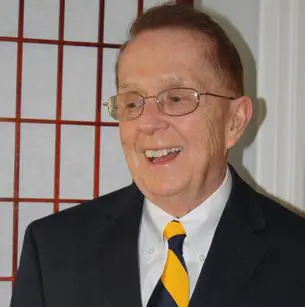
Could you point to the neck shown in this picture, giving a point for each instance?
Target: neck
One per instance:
(181, 203)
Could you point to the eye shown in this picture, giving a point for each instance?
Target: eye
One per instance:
(178, 96)
(175, 99)
(135, 104)
(131, 105)
(129, 101)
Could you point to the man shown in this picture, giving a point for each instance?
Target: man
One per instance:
(181, 107)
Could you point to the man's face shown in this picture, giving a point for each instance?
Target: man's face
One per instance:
(158, 60)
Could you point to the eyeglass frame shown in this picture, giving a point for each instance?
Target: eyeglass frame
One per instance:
(198, 94)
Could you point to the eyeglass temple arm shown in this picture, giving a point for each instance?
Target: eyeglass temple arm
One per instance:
(219, 96)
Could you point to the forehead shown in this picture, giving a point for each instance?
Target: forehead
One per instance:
(166, 54)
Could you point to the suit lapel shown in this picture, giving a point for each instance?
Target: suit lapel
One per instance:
(120, 253)
(235, 252)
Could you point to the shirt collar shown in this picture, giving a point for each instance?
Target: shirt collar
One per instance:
(202, 219)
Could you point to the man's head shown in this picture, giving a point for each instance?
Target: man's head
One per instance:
(177, 155)
(221, 52)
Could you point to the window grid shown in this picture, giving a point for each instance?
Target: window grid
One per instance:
(99, 76)
(17, 139)
(60, 55)
(58, 122)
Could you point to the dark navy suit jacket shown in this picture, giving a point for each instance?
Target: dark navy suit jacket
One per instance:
(87, 256)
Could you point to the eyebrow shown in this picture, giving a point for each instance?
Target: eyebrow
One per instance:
(128, 85)
(172, 81)
(175, 82)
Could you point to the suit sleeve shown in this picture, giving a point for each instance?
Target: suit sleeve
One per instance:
(28, 290)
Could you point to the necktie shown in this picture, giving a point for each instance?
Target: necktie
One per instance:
(172, 290)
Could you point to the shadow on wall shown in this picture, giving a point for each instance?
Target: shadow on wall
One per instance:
(259, 104)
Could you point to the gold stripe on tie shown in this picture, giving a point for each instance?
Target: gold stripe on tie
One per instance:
(175, 277)
(173, 229)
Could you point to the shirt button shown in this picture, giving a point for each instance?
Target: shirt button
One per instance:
(201, 257)
(151, 251)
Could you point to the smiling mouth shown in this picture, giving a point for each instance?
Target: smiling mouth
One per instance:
(162, 155)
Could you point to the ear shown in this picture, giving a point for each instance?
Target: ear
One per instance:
(240, 114)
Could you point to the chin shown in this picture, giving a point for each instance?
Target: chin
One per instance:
(157, 189)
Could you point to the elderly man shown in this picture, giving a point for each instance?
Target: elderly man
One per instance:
(188, 231)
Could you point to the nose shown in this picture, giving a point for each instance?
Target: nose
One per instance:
(152, 117)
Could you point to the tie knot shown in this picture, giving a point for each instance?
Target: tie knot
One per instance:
(172, 229)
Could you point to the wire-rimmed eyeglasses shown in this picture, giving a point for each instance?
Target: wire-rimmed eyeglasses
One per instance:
(176, 101)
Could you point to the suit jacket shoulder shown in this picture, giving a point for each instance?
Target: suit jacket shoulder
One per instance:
(90, 214)
(77, 257)
(256, 257)
(261, 211)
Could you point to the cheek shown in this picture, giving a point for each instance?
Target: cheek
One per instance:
(212, 135)
(128, 141)
(126, 135)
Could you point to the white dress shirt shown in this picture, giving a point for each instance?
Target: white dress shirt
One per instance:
(199, 224)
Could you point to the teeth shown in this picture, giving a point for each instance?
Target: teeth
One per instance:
(161, 152)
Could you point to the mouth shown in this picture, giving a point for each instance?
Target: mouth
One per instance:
(157, 156)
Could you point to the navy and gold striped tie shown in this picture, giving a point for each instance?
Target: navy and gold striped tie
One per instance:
(172, 290)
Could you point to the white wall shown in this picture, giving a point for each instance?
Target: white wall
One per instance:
(280, 143)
